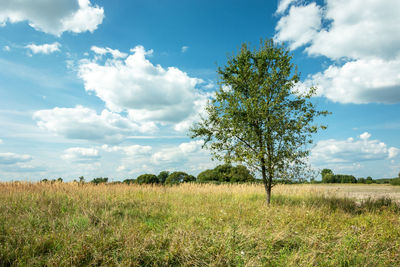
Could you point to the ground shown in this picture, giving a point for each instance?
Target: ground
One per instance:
(198, 225)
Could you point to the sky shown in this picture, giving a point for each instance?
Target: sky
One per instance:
(99, 88)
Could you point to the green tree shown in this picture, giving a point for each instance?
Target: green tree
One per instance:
(147, 179)
(179, 177)
(81, 179)
(207, 176)
(257, 118)
(99, 180)
(162, 176)
(324, 174)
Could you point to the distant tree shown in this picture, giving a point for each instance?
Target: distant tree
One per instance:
(257, 117)
(207, 176)
(240, 174)
(162, 176)
(325, 172)
(129, 181)
(398, 175)
(179, 177)
(44, 180)
(59, 179)
(99, 180)
(81, 179)
(369, 180)
(147, 179)
(361, 181)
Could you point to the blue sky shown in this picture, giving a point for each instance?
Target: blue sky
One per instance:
(109, 88)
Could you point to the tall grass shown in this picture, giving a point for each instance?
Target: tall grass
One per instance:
(193, 225)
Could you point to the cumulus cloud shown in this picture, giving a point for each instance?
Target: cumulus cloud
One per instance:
(106, 50)
(53, 16)
(352, 151)
(147, 92)
(300, 26)
(176, 154)
(84, 123)
(44, 48)
(283, 5)
(12, 158)
(361, 81)
(360, 36)
(131, 151)
(81, 154)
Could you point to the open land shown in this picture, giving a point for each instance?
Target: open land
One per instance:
(198, 224)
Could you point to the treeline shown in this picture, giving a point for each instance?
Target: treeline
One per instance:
(225, 173)
(329, 177)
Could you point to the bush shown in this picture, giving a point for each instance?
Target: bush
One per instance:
(100, 180)
(147, 179)
(179, 177)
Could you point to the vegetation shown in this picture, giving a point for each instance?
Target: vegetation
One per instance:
(226, 173)
(256, 118)
(179, 177)
(59, 224)
(99, 180)
(147, 179)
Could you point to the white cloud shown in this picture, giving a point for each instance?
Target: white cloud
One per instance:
(12, 158)
(362, 81)
(149, 93)
(178, 154)
(84, 123)
(81, 154)
(351, 151)
(300, 26)
(359, 29)
(105, 50)
(131, 151)
(44, 48)
(283, 5)
(7, 48)
(54, 17)
(1, 142)
(363, 35)
(184, 49)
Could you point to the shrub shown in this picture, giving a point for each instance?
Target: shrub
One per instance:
(147, 179)
(207, 176)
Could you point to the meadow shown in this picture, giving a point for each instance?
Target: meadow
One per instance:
(59, 224)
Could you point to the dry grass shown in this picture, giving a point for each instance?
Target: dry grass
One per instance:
(196, 224)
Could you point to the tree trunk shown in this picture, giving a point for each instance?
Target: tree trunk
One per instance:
(267, 184)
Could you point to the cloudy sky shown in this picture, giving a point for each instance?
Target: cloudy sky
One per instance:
(109, 88)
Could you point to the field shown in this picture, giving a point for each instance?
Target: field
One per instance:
(196, 225)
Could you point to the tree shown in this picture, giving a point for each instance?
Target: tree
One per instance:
(162, 176)
(256, 117)
(147, 179)
(325, 173)
(99, 180)
(81, 179)
(179, 177)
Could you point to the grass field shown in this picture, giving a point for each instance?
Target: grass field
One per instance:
(196, 225)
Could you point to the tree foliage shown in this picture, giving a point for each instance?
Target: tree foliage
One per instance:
(256, 117)
(179, 177)
(226, 173)
(147, 179)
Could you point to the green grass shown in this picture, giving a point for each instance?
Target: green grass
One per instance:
(193, 225)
